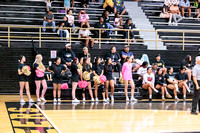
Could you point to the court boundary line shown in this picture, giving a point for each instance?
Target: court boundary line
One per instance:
(48, 119)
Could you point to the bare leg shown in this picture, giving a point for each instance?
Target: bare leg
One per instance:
(74, 86)
(106, 88)
(123, 12)
(112, 87)
(55, 86)
(27, 90)
(132, 87)
(86, 42)
(59, 90)
(125, 88)
(44, 85)
(21, 84)
(96, 90)
(90, 89)
(38, 84)
(183, 11)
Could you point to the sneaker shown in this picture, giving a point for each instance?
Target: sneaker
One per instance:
(194, 113)
(44, 100)
(189, 91)
(177, 91)
(22, 101)
(112, 98)
(168, 96)
(31, 101)
(83, 100)
(127, 99)
(104, 100)
(108, 99)
(92, 100)
(169, 23)
(38, 100)
(96, 41)
(96, 99)
(75, 101)
(59, 100)
(177, 99)
(54, 100)
(163, 99)
(133, 99)
(59, 103)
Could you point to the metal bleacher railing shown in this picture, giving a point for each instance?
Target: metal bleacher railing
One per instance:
(70, 38)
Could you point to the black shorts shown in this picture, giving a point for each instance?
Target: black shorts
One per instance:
(75, 78)
(39, 78)
(23, 78)
(109, 78)
(57, 80)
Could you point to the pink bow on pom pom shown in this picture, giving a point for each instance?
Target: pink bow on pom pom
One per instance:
(82, 84)
(64, 86)
(39, 73)
(28, 67)
(103, 79)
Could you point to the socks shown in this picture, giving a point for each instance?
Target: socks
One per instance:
(156, 90)
(184, 96)
(163, 96)
(150, 96)
(175, 97)
(167, 93)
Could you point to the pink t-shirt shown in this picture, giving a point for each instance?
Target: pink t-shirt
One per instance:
(83, 17)
(127, 71)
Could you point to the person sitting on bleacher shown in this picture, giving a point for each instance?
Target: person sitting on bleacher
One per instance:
(165, 14)
(83, 18)
(118, 21)
(85, 3)
(185, 4)
(119, 7)
(85, 53)
(116, 59)
(174, 9)
(142, 70)
(85, 33)
(107, 21)
(49, 20)
(67, 55)
(125, 53)
(63, 25)
(101, 25)
(109, 6)
(70, 19)
(129, 25)
(160, 63)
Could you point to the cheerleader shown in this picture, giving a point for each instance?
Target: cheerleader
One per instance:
(127, 77)
(87, 68)
(148, 82)
(160, 84)
(76, 72)
(57, 69)
(39, 77)
(108, 70)
(23, 80)
(98, 71)
(172, 83)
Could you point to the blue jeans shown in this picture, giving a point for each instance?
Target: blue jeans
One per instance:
(109, 27)
(73, 25)
(62, 33)
(52, 24)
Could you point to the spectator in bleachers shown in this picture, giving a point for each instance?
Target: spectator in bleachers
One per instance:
(85, 3)
(148, 82)
(85, 33)
(115, 58)
(67, 55)
(118, 21)
(136, 64)
(125, 53)
(187, 63)
(160, 63)
(142, 70)
(182, 78)
(165, 14)
(66, 5)
(107, 21)
(176, 15)
(101, 25)
(49, 21)
(160, 84)
(85, 53)
(172, 83)
(70, 19)
(119, 7)
(109, 6)
(48, 4)
(154, 68)
(129, 25)
(63, 25)
(83, 18)
(185, 4)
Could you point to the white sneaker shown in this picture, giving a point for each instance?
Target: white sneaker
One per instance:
(38, 100)
(177, 99)
(108, 99)
(59, 100)
(84, 100)
(22, 101)
(31, 101)
(75, 101)
(44, 100)
(189, 90)
(104, 100)
(112, 98)
(127, 99)
(133, 99)
(96, 99)
(92, 100)
(54, 100)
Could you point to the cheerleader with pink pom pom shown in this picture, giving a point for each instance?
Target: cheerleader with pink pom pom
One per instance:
(127, 77)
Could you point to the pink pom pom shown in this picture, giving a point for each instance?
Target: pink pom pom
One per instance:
(82, 84)
(103, 79)
(64, 86)
(28, 67)
(39, 73)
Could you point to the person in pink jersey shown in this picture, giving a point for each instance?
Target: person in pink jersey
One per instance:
(127, 77)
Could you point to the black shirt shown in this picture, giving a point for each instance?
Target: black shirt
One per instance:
(87, 68)
(67, 56)
(159, 79)
(114, 56)
(66, 24)
(82, 55)
(108, 71)
(20, 66)
(103, 25)
(182, 76)
(128, 26)
(98, 69)
(185, 64)
(171, 77)
(160, 63)
(57, 69)
(106, 19)
(74, 69)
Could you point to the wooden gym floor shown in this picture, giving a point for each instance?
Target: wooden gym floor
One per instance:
(117, 117)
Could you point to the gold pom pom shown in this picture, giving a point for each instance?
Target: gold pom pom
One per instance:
(121, 80)
(97, 79)
(26, 71)
(86, 75)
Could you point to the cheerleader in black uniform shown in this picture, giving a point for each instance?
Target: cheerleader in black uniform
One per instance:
(76, 72)
(108, 70)
(88, 68)
(98, 71)
(23, 80)
(57, 69)
(38, 65)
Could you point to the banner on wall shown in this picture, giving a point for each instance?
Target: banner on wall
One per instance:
(53, 54)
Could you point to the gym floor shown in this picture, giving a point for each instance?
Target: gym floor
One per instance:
(117, 117)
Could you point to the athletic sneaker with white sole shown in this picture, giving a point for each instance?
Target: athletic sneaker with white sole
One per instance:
(133, 99)
(104, 100)
(83, 100)
(59, 100)
(44, 100)
(92, 100)
(108, 99)
(127, 99)
(54, 100)
(38, 100)
(96, 99)
(31, 101)
(75, 100)
(22, 101)
(112, 98)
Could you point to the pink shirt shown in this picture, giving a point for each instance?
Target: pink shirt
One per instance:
(127, 71)
(83, 17)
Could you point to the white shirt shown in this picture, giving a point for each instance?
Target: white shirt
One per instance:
(116, 22)
(142, 71)
(196, 71)
(70, 18)
(48, 3)
(85, 33)
(148, 78)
